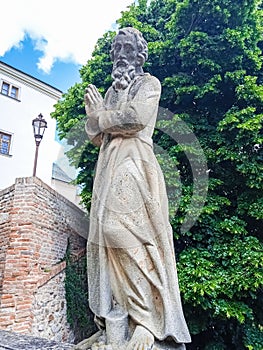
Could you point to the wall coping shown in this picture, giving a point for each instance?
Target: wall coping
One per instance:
(7, 190)
(37, 181)
(78, 212)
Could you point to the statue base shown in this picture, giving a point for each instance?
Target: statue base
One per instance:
(117, 335)
(98, 342)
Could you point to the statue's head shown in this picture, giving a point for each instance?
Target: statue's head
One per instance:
(133, 39)
(129, 52)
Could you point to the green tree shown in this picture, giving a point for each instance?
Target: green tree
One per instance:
(207, 55)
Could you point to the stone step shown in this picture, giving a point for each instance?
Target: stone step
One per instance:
(16, 341)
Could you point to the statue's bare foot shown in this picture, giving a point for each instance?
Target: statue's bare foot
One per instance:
(141, 339)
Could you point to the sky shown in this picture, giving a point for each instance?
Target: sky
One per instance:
(52, 39)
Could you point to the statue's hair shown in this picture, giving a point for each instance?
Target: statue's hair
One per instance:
(141, 42)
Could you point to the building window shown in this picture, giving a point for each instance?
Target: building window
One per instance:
(14, 92)
(9, 90)
(5, 143)
(5, 88)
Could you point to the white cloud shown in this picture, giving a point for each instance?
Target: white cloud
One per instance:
(62, 30)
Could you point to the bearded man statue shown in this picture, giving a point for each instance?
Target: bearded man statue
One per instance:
(131, 261)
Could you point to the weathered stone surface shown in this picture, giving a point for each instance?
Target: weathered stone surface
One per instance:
(50, 311)
(15, 341)
(131, 261)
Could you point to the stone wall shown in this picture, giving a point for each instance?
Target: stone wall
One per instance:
(50, 311)
(35, 228)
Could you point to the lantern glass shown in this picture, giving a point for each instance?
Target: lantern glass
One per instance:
(39, 127)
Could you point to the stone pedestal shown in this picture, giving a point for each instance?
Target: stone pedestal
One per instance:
(117, 336)
(98, 342)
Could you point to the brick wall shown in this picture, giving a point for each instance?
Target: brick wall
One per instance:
(36, 225)
(6, 202)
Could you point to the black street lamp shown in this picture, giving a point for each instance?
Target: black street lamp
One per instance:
(39, 126)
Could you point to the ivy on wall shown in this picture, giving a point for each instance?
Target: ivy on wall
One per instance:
(79, 315)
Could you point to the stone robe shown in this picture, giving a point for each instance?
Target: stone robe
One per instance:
(131, 258)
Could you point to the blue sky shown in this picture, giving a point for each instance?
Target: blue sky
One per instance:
(63, 75)
(53, 41)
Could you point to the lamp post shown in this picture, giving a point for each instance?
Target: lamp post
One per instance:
(39, 126)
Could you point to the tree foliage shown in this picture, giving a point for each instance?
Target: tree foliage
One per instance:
(207, 55)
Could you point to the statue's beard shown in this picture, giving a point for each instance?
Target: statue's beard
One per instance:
(122, 73)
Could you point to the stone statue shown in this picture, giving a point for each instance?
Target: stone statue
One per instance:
(133, 285)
